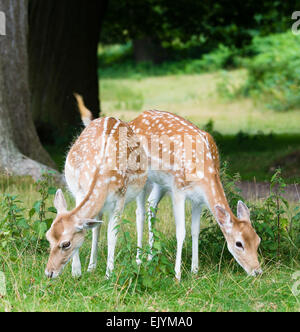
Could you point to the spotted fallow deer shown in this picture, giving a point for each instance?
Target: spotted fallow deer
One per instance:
(184, 161)
(103, 171)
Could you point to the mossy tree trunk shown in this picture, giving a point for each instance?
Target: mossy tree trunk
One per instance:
(21, 152)
(41, 65)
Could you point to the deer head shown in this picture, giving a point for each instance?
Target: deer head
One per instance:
(242, 240)
(65, 236)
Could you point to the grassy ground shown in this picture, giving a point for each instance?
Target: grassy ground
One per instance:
(221, 285)
(213, 289)
(195, 97)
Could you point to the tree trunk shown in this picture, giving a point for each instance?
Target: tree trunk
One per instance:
(21, 152)
(147, 50)
(63, 44)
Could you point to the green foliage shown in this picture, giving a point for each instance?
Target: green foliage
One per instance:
(270, 219)
(22, 228)
(13, 226)
(175, 24)
(40, 210)
(116, 62)
(274, 71)
(116, 53)
(226, 88)
(232, 191)
(148, 275)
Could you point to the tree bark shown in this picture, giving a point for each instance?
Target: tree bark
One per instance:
(63, 44)
(21, 152)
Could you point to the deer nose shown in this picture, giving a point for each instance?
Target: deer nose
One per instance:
(49, 274)
(257, 272)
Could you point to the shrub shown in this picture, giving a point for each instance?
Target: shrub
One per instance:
(13, 226)
(111, 67)
(271, 219)
(274, 71)
(21, 228)
(150, 274)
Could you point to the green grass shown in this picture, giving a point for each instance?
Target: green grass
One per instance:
(221, 285)
(213, 289)
(196, 98)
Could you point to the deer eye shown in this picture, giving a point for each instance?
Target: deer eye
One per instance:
(66, 245)
(239, 245)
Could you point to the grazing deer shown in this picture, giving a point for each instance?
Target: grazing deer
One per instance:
(103, 171)
(184, 161)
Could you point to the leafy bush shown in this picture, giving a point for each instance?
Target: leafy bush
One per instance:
(21, 228)
(274, 71)
(270, 219)
(13, 226)
(113, 64)
(150, 273)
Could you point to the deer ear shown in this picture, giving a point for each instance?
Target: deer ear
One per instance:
(243, 212)
(60, 202)
(223, 218)
(88, 224)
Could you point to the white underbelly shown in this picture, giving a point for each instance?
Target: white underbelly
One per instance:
(163, 179)
(166, 182)
(132, 193)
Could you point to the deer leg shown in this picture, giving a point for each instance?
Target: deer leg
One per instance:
(153, 201)
(76, 265)
(196, 213)
(94, 251)
(112, 234)
(179, 214)
(140, 218)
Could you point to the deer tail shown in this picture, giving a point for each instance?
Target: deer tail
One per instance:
(86, 114)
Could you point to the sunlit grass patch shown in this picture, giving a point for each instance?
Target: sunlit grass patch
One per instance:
(196, 97)
(220, 285)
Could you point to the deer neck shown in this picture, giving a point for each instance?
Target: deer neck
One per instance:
(94, 200)
(215, 195)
